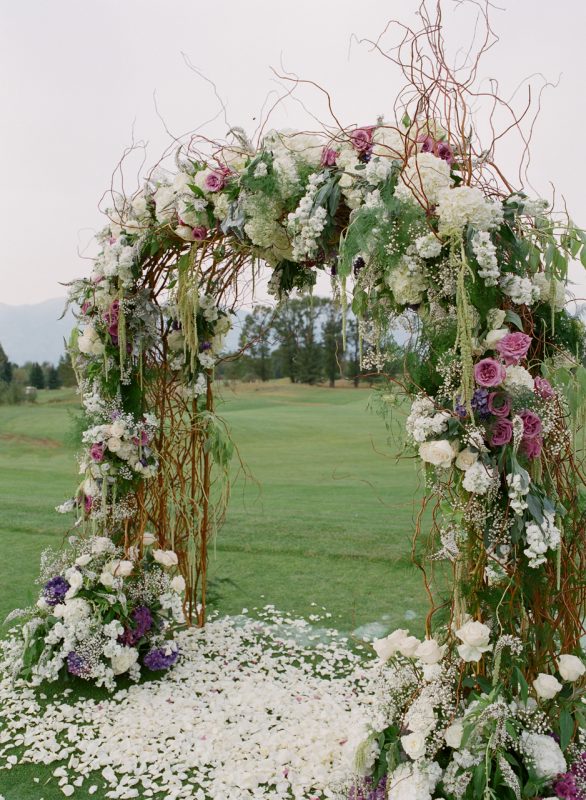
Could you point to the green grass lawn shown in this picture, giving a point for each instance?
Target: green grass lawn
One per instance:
(328, 519)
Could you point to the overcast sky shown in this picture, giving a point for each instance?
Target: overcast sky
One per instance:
(79, 77)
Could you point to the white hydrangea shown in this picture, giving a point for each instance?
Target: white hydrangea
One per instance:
(425, 421)
(552, 291)
(541, 538)
(377, 170)
(429, 246)
(529, 207)
(407, 281)
(519, 378)
(522, 291)
(388, 141)
(424, 178)
(411, 782)
(478, 478)
(467, 205)
(485, 253)
(545, 754)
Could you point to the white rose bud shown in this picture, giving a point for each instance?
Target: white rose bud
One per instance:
(454, 733)
(408, 646)
(466, 458)
(387, 647)
(429, 652)
(571, 667)
(439, 453)
(148, 539)
(414, 745)
(475, 638)
(546, 686)
(493, 337)
(166, 558)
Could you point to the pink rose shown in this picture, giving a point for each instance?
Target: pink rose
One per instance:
(328, 157)
(361, 139)
(88, 502)
(97, 452)
(532, 447)
(502, 433)
(200, 233)
(215, 180)
(543, 388)
(513, 347)
(499, 404)
(489, 372)
(531, 424)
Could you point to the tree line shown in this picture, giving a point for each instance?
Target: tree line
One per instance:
(303, 340)
(15, 379)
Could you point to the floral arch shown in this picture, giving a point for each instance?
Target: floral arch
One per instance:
(412, 219)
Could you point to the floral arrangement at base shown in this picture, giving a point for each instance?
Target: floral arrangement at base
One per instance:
(101, 613)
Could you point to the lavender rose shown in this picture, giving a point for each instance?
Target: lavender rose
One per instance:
(543, 388)
(499, 404)
(329, 157)
(361, 139)
(489, 372)
(97, 451)
(532, 447)
(531, 424)
(502, 433)
(215, 181)
(444, 151)
(199, 233)
(513, 347)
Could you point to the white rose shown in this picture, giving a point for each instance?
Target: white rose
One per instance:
(475, 638)
(114, 444)
(439, 453)
(101, 544)
(178, 584)
(571, 667)
(387, 647)
(429, 651)
(75, 580)
(466, 458)
(166, 558)
(120, 568)
(148, 539)
(414, 745)
(118, 429)
(492, 337)
(107, 579)
(408, 646)
(84, 560)
(122, 661)
(546, 686)
(454, 733)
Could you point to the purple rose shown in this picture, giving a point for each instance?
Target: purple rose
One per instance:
(532, 447)
(531, 424)
(97, 451)
(215, 180)
(328, 157)
(489, 372)
(361, 139)
(499, 404)
(513, 347)
(502, 433)
(543, 388)
(199, 233)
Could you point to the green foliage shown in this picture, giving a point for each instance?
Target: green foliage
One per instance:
(36, 376)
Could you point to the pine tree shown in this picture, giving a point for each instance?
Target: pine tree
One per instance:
(5, 367)
(332, 343)
(53, 381)
(36, 376)
(66, 371)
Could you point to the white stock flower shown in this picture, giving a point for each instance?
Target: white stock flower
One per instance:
(453, 734)
(475, 638)
(440, 453)
(430, 652)
(73, 611)
(571, 667)
(166, 558)
(478, 478)
(546, 686)
(414, 745)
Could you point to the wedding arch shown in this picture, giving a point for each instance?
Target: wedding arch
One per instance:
(413, 219)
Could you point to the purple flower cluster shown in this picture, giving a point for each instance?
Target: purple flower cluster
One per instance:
(572, 785)
(77, 665)
(143, 622)
(479, 404)
(366, 791)
(158, 659)
(55, 590)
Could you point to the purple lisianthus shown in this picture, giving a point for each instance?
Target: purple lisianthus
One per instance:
(502, 433)
(532, 447)
(427, 144)
(361, 139)
(329, 157)
(531, 424)
(489, 372)
(199, 233)
(158, 659)
(543, 388)
(77, 665)
(97, 451)
(499, 404)
(54, 590)
(513, 347)
(445, 152)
